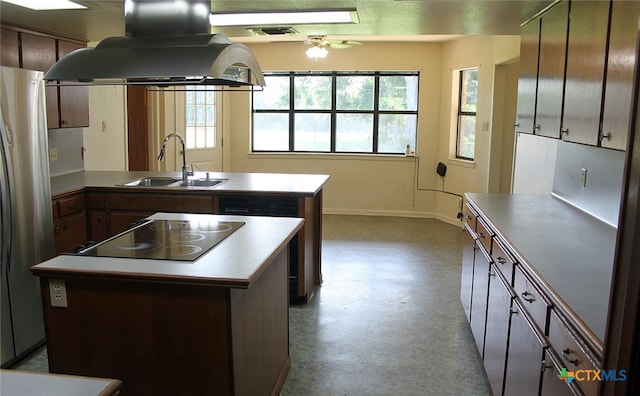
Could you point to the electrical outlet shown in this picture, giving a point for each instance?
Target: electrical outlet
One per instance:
(53, 154)
(583, 177)
(58, 293)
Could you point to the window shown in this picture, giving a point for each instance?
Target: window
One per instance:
(467, 106)
(336, 112)
(200, 117)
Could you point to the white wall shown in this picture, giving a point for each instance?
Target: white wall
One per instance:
(359, 184)
(374, 184)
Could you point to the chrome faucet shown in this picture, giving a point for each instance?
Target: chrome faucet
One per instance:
(185, 172)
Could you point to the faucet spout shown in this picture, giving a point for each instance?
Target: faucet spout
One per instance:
(185, 171)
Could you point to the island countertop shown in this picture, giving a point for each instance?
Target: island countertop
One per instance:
(235, 262)
(262, 183)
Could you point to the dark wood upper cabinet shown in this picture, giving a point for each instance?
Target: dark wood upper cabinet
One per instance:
(10, 48)
(67, 107)
(586, 59)
(621, 63)
(553, 44)
(528, 78)
(73, 100)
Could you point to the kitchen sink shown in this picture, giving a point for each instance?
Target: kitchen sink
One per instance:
(152, 182)
(199, 183)
(168, 182)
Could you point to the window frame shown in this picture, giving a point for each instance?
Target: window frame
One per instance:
(461, 113)
(334, 112)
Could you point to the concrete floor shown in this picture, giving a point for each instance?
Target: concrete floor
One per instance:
(387, 319)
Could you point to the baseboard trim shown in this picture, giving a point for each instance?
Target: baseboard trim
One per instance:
(394, 213)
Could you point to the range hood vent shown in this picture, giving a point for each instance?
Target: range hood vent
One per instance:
(167, 43)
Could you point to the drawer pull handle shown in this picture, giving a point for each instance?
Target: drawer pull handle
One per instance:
(481, 235)
(567, 355)
(468, 217)
(545, 366)
(528, 297)
(501, 260)
(514, 311)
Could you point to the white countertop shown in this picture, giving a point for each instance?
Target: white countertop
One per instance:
(24, 383)
(235, 262)
(260, 183)
(566, 249)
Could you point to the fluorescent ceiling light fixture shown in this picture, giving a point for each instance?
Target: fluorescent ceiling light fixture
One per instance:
(316, 52)
(284, 17)
(47, 4)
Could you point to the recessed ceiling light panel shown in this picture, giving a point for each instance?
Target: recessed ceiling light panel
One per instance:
(297, 17)
(41, 5)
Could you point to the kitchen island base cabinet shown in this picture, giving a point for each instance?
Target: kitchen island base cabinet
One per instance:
(182, 338)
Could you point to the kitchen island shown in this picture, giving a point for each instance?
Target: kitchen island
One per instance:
(214, 325)
(95, 205)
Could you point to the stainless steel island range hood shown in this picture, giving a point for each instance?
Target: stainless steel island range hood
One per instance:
(167, 43)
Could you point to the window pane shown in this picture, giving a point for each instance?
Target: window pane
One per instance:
(312, 92)
(466, 136)
(200, 139)
(398, 93)
(354, 92)
(191, 137)
(469, 91)
(210, 133)
(312, 132)
(274, 96)
(395, 131)
(354, 133)
(200, 115)
(270, 132)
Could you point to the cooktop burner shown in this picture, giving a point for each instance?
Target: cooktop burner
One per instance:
(180, 240)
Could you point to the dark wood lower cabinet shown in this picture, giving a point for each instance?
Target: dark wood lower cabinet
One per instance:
(466, 280)
(479, 296)
(497, 330)
(181, 338)
(525, 355)
(552, 385)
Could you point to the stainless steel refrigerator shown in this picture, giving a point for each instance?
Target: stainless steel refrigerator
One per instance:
(26, 224)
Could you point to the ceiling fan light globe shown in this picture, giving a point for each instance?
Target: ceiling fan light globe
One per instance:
(316, 52)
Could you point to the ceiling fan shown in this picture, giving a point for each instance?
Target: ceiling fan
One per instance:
(317, 46)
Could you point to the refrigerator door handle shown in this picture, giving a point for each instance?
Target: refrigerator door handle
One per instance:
(5, 200)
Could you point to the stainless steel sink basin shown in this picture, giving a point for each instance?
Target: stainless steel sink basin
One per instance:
(152, 182)
(169, 182)
(199, 183)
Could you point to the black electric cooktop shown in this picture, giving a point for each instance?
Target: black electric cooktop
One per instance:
(180, 240)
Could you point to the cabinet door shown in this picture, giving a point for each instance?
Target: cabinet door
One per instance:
(552, 385)
(74, 100)
(553, 44)
(525, 356)
(528, 77)
(10, 48)
(98, 226)
(69, 233)
(621, 63)
(39, 53)
(497, 332)
(480, 293)
(466, 280)
(586, 57)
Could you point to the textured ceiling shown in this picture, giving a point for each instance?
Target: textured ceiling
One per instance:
(379, 19)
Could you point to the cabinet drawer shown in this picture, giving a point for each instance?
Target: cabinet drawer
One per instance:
(531, 299)
(504, 262)
(484, 234)
(70, 205)
(470, 216)
(573, 353)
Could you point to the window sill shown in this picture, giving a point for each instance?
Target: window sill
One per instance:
(332, 156)
(461, 163)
